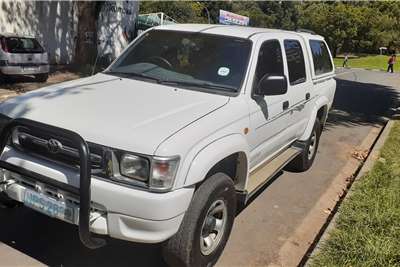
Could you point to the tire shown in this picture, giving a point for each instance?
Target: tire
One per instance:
(304, 161)
(184, 248)
(7, 202)
(42, 77)
(3, 78)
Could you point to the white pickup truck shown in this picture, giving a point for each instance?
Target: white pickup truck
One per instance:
(187, 124)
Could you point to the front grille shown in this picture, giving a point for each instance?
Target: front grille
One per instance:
(38, 144)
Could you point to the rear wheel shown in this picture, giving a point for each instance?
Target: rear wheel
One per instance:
(206, 226)
(304, 160)
(3, 78)
(42, 77)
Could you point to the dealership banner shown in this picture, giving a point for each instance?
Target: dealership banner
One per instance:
(229, 18)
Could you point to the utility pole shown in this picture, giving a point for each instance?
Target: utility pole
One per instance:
(207, 11)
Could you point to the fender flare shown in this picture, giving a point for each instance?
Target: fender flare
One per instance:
(320, 102)
(211, 154)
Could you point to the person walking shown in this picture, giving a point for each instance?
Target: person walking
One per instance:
(391, 62)
(346, 59)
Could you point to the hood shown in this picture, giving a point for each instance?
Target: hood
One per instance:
(122, 113)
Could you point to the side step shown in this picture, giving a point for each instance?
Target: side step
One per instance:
(269, 169)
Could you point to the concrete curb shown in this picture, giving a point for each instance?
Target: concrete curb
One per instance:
(7, 96)
(366, 167)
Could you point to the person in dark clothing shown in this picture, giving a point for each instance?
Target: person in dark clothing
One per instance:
(346, 59)
(391, 62)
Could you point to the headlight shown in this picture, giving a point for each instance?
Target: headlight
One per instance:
(155, 173)
(135, 167)
(163, 173)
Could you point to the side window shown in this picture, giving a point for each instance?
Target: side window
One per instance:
(295, 62)
(321, 58)
(269, 60)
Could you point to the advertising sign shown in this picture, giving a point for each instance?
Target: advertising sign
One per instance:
(229, 18)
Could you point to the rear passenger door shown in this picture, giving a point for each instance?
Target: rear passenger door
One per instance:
(300, 85)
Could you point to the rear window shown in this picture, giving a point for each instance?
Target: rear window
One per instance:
(21, 45)
(321, 58)
(295, 62)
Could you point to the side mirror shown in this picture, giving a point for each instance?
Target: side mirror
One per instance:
(272, 85)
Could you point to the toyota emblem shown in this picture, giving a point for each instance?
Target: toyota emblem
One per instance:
(54, 146)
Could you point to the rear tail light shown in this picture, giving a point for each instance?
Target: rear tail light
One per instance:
(4, 45)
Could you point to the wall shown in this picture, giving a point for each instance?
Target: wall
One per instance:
(54, 23)
(116, 27)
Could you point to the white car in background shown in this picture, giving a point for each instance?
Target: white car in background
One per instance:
(22, 55)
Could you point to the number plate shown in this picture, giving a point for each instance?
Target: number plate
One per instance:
(49, 206)
(29, 68)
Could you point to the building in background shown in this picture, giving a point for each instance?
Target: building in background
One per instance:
(115, 28)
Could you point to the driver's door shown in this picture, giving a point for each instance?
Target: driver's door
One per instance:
(268, 114)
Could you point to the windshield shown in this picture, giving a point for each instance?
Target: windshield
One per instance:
(21, 45)
(195, 60)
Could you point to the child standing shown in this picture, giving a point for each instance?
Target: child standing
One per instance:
(391, 62)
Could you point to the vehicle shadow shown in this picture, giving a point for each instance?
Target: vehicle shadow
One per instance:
(56, 243)
(357, 103)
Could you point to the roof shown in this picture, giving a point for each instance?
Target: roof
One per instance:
(228, 30)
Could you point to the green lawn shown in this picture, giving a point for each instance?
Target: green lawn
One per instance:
(367, 232)
(368, 62)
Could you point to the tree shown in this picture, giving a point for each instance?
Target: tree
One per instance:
(181, 11)
(337, 22)
(283, 14)
(86, 48)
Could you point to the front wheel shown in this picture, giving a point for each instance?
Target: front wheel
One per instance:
(206, 225)
(42, 77)
(304, 160)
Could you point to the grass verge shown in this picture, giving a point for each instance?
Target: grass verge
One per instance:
(367, 231)
(368, 62)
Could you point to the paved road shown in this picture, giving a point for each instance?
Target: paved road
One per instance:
(275, 229)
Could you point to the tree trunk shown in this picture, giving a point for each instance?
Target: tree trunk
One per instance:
(86, 47)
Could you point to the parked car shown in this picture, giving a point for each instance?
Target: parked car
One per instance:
(23, 55)
(190, 121)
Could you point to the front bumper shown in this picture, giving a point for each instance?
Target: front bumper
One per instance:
(104, 207)
(25, 70)
(115, 224)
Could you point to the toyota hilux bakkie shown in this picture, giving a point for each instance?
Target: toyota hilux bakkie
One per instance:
(161, 147)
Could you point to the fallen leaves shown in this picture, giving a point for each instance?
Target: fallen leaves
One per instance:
(360, 155)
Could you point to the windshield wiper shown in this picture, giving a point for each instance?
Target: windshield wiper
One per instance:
(199, 84)
(135, 74)
(208, 85)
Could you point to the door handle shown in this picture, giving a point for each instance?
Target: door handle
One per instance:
(285, 105)
(307, 96)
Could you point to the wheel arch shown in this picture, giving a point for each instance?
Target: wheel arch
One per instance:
(228, 155)
(320, 111)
